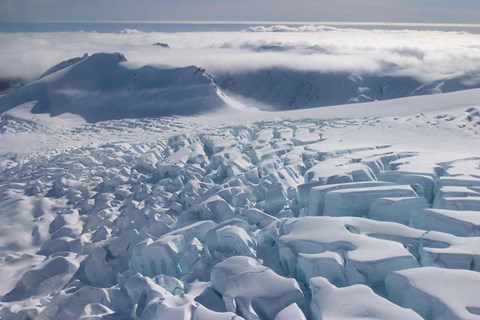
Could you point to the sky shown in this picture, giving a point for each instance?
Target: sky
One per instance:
(415, 11)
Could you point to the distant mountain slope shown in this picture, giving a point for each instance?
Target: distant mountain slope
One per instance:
(287, 89)
(9, 84)
(104, 86)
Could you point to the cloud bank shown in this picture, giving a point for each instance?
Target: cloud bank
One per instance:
(281, 28)
(426, 55)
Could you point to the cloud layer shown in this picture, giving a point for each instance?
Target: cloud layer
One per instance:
(426, 55)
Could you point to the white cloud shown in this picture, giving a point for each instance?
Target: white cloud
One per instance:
(422, 54)
(281, 28)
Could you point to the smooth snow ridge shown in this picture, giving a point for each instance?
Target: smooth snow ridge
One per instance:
(276, 219)
(105, 86)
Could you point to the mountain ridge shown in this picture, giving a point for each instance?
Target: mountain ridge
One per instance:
(104, 86)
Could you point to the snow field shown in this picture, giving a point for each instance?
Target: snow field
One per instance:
(273, 219)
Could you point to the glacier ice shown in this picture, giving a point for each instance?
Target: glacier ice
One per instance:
(147, 218)
(357, 202)
(318, 194)
(396, 209)
(448, 251)
(459, 223)
(355, 261)
(436, 293)
(353, 302)
(48, 276)
(257, 291)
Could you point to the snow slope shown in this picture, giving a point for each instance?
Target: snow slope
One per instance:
(287, 89)
(104, 86)
(355, 211)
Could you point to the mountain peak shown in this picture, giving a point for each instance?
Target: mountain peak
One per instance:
(126, 91)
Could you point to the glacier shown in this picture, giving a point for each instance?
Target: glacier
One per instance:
(174, 200)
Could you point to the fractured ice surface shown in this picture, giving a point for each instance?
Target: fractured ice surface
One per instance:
(231, 241)
(353, 172)
(353, 260)
(395, 209)
(454, 191)
(318, 194)
(48, 276)
(170, 219)
(436, 293)
(424, 180)
(354, 302)
(459, 223)
(104, 262)
(173, 255)
(458, 181)
(255, 290)
(448, 251)
(458, 203)
(357, 202)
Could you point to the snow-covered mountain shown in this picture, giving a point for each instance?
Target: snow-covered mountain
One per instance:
(105, 86)
(287, 89)
(342, 212)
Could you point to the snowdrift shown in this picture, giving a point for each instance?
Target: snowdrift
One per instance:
(105, 86)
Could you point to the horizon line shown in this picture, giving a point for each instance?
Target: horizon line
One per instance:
(233, 22)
